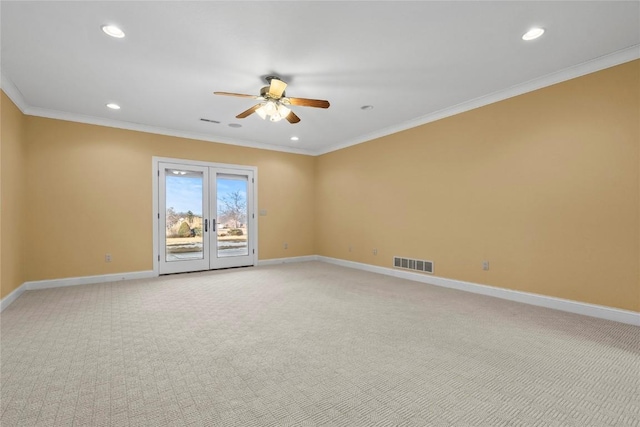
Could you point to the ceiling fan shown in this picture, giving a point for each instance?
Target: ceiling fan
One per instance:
(274, 103)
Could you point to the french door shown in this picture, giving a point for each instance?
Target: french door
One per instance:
(205, 217)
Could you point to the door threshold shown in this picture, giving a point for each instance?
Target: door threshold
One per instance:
(204, 271)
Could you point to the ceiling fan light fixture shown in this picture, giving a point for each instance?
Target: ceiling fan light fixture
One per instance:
(261, 112)
(283, 111)
(274, 110)
(271, 107)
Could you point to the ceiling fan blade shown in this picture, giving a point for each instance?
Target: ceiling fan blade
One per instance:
(292, 118)
(276, 88)
(304, 102)
(248, 112)
(240, 95)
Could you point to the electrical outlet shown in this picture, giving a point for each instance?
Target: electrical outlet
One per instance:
(286, 246)
(375, 251)
(107, 258)
(485, 265)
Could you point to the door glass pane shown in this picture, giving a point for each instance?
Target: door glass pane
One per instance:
(184, 203)
(232, 215)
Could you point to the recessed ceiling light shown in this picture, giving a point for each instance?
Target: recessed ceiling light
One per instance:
(235, 125)
(113, 31)
(294, 138)
(533, 34)
(367, 107)
(113, 106)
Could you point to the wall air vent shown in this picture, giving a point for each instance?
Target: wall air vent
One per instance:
(413, 264)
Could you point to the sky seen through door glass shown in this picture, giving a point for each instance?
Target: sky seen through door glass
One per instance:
(185, 193)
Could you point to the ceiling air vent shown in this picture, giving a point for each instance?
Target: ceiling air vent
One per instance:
(209, 120)
(413, 264)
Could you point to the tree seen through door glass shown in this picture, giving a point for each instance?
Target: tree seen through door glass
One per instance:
(232, 216)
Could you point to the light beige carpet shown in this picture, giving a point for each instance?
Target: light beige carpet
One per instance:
(308, 344)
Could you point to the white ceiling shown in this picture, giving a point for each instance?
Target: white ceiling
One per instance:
(413, 61)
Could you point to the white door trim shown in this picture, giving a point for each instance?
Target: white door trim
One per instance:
(155, 170)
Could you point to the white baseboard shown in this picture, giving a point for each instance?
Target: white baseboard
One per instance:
(6, 301)
(274, 261)
(88, 280)
(72, 281)
(592, 310)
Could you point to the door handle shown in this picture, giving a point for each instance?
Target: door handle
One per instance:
(213, 224)
(206, 223)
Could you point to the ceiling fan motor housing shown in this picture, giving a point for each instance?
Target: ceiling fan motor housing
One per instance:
(264, 92)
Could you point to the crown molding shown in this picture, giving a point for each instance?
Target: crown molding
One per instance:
(620, 57)
(99, 121)
(16, 96)
(13, 93)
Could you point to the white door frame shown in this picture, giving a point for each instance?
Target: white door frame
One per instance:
(155, 173)
(199, 264)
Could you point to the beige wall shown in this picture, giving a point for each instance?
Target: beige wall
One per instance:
(12, 199)
(545, 186)
(90, 193)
